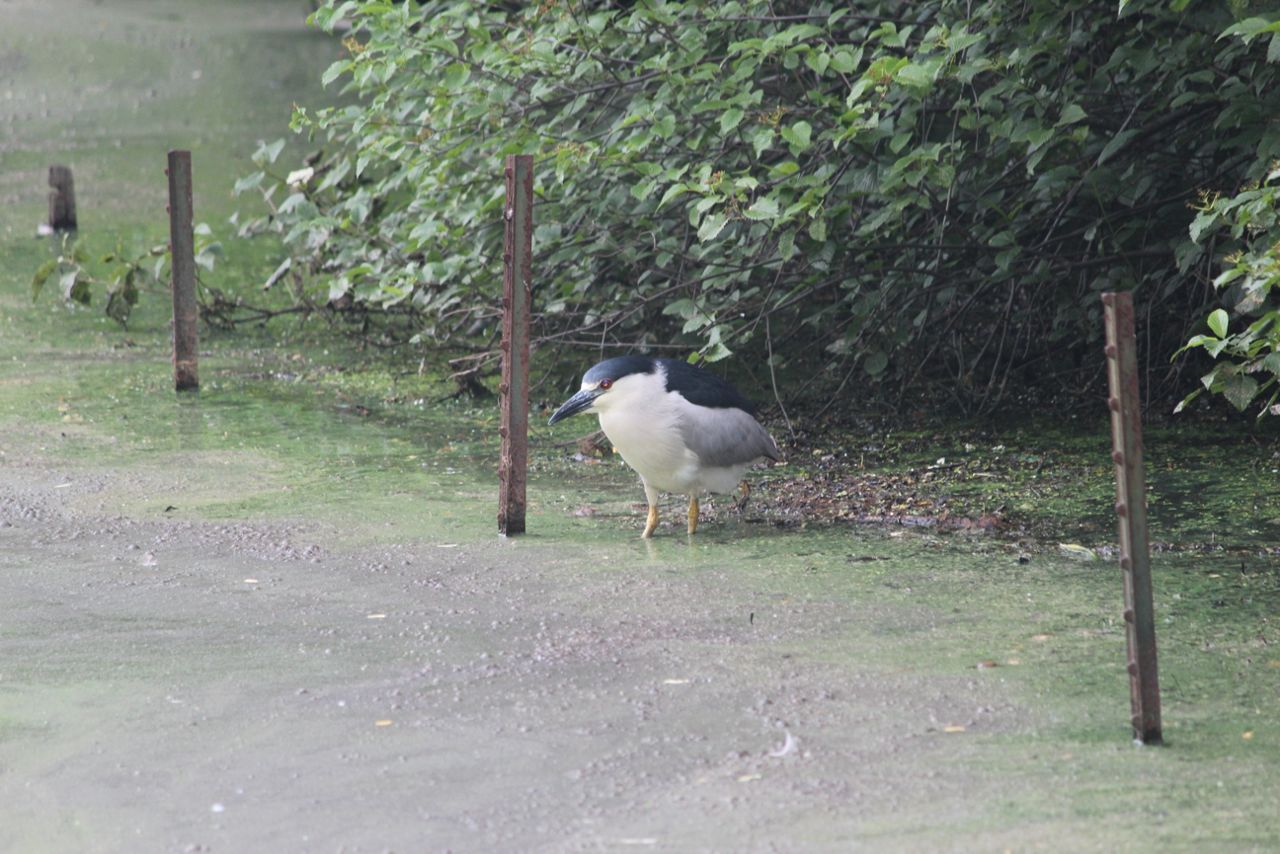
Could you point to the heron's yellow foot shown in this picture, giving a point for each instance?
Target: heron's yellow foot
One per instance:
(693, 514)
(744, 493)
(651, 522)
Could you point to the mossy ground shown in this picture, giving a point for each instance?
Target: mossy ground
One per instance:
(953, 575)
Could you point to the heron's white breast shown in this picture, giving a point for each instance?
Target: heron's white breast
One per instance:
(641, 420)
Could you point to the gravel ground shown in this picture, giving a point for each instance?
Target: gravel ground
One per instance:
(209, 686)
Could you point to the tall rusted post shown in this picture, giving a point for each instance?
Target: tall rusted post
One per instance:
(1131, 507)
(513, 393)
(62, 199)
(183, 265)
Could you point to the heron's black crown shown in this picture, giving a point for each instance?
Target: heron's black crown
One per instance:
(694, 384)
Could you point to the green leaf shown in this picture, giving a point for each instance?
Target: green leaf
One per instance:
(1239, 390)
(208, 255)
(248, 182)
(818, 229)
(716, 351)
(122, 297)
(1116, 143)
(712, 225)
(683, 308)
(1186, 255)
(1071, 114)
(43, 272)
(268, 152)
(765, 207)
(818, 60)
(762, 139)
(791, 35)
(914, 76)
(1250, 28)
(798, 136)
(276, 275)
(292, 202)
(455, 75)
(1202, 222)
(787, 245)
(843, 61)
(730, 119)
(672, 191)
(1182, 404)
(75, 287)
(1218, 321)
(334, 71)
(643, 190)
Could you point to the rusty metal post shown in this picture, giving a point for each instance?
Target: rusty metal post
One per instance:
(513, 393)
(1131, 507)
(62, 199)
(183, 265)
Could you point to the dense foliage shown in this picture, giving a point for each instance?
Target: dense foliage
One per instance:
(1248, 223)
(929, 196)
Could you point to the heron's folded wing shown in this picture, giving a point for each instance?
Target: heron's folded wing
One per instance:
(724, 437)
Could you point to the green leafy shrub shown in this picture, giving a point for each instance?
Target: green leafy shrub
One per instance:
(120, 275)
(1247, 225)
(929, 195)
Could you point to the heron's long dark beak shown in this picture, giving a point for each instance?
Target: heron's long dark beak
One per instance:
(578, 403)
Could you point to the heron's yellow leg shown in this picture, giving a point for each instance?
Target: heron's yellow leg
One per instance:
(744, 493)
(651, 522)
(693, 514)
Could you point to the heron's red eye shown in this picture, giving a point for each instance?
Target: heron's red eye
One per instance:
(605, 385)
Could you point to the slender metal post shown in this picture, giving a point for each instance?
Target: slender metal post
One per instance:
(1131, 507)
(183, 264)
(62, 199)
(513, 392)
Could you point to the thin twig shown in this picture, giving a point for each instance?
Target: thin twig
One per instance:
(773, 379)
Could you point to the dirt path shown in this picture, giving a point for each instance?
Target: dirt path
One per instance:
(190, 685)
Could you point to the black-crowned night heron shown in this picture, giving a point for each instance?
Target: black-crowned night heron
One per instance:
(683, 429)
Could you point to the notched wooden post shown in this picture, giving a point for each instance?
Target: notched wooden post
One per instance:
(513, 393)
(1131, 507)
(62, 199)
(183, 265)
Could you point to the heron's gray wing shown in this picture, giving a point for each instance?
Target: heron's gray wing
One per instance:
(725, 437)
